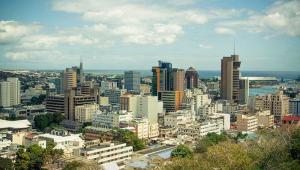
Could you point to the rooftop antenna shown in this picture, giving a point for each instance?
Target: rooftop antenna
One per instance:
(234, 47)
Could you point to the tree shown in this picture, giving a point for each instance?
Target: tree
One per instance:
(41, 122)
(6, 164)
(73, 165)
(228, 155)
(58, 117)
(36, 154)
(240, 136)
(295, 144)
(182, 151)
(51, 155)
(209, 140)
(130, 138)
(22, 159)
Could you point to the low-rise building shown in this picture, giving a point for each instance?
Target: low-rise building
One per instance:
(246, 122)
(173, 119)
(67, 143)
(265, 119)
(105, 153)
(15, 125)
(199, 130)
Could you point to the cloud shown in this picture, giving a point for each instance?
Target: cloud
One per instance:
(205, 46)
(34, 55)
(224, 31)
(139, 22)
(11, 31)
(281, 18)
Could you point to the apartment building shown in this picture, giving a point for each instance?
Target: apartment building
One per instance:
(246, 122)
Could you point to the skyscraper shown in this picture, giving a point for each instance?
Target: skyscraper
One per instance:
(132, 81)
(230, 78)
(166, 71)
(10, 92)
(178, 79)
(70, 79)
(162, 77)
(244, 90)
(191, 78)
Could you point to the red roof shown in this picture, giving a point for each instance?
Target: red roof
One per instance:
(291, 118)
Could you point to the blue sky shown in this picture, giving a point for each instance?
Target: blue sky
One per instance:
(134, 34)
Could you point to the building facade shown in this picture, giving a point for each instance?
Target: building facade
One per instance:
(132, 81)
(191, 78)
(10, 92)
(230, 78)
(294, 107)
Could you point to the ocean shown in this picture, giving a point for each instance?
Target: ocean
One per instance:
(213, 73)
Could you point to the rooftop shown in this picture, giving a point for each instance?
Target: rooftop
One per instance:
(17, 124)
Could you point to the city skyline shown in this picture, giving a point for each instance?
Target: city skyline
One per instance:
(121, 35)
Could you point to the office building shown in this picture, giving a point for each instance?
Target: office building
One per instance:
(230, 78)
(244, 91)
(294, 107)
(72, 100)
(162, 77)
(178, 79)
(172, 100)
(132, 81)
(55, 104)
(69, 79)
(10, 92)
(191, 78)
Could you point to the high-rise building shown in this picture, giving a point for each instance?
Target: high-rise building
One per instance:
(10, 92)
(70, 79)
(79, 73)
(162, 77)
(5, 94)
(142, 106)
(132, 81)
(155, 81)
(294, 107)
(178, 79)
(244, 90)
(230, 78)
(191, 78)
(72, 100)
(172, 100)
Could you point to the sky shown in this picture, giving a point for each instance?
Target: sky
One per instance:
(135, 34)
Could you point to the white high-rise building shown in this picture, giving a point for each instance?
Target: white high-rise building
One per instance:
(10, 92)
(142, 106)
